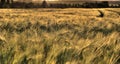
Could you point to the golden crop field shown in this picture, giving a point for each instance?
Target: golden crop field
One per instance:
(60, 36)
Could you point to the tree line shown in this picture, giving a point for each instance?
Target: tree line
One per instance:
(6, 3)
(44, 4)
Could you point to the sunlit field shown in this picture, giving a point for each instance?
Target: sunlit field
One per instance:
(60, 36)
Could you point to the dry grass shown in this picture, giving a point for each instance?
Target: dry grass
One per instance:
(59, 36)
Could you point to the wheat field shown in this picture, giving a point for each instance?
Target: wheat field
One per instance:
(60, 36)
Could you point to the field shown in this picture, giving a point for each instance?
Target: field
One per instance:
(60, 36)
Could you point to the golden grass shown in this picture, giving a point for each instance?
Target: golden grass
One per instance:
(59, 36)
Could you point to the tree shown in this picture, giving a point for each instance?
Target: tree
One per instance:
(11, 1)
(2, 3)
(8, 2)
(105, 4)
(44, 4)
(5, 3)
